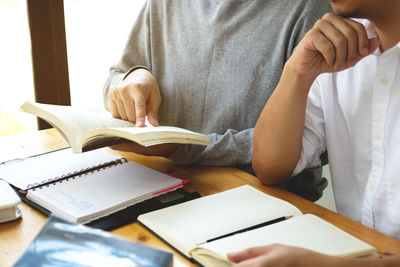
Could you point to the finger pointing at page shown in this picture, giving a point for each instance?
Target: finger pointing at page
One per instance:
(135, 97)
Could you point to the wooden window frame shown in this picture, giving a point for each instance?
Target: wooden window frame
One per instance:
(49, 53)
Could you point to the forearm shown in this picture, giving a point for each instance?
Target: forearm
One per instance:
(279, 129)
(335, 261)
(282, 255)
(233, 148)
(387, 261)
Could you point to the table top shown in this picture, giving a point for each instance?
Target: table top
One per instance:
(15, 236)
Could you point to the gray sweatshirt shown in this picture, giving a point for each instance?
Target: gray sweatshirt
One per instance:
(217, 63)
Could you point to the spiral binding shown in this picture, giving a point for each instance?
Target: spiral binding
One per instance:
(78, 173)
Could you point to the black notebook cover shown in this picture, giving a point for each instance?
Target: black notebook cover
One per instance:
(129, 214)
(61, 243)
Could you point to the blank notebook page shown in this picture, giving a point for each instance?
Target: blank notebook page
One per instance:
(201, 219)
(307, 231)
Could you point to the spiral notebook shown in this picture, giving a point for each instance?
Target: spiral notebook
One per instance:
(83, 187)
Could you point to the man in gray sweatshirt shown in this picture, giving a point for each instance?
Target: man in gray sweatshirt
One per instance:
(207, 66)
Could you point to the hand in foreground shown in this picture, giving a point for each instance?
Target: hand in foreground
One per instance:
(164, 150)
(279, 255)
(135, 97)
(333, 44)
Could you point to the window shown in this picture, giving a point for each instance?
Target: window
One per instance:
(15, 68)
(96, 33)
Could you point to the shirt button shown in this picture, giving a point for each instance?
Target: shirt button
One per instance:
(378, 136)
(384, 80)
(371, 187)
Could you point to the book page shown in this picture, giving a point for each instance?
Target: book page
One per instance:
(93, 127)
(73, 121)
(88, 197)
(149, 135)
(196, 221)
(27, 172)
(306, 231)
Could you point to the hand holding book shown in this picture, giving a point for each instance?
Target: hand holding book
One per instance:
(136, 97)
(163, 150)
(88, 128)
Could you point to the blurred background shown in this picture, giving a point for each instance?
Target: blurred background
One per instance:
(96, 33)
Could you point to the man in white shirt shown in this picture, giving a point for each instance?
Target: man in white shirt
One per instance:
(351, 110)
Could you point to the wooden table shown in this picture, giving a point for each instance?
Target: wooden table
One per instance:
(15, 236)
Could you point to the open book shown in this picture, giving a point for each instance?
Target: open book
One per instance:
(87, 128)
(84, 187)
(190, 227)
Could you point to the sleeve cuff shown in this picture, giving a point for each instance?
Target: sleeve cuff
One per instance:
(301, 165)
(135, 68)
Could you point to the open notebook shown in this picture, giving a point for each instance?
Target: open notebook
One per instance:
(84, 187)
(190, 226)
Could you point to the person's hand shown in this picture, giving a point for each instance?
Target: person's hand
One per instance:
(135, 97)
(333, 44)
(279, 255)
(164, 150)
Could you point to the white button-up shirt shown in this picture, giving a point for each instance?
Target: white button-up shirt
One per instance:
(355, 116)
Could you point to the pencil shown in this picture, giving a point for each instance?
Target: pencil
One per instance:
(251, 228)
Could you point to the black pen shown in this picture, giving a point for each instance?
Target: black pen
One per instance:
(249, 228)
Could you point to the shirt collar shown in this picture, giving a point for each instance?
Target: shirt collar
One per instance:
(371, 32)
